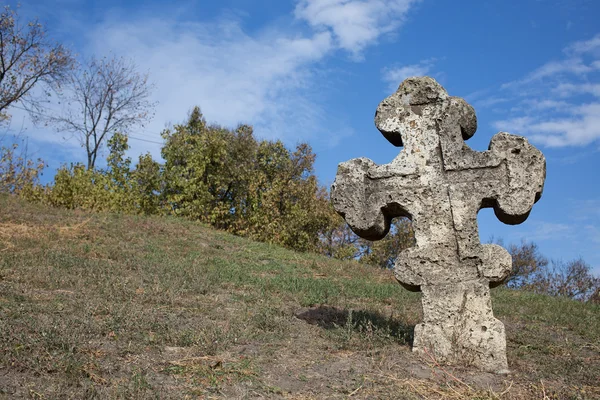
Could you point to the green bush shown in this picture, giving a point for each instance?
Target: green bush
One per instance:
(20, 175)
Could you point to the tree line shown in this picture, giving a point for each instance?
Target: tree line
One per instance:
(223, 177)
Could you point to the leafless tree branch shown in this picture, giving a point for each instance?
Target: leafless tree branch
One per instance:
(28, 59)
(105, 96)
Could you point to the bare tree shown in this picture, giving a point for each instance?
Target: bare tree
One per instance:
(527, 262)
(103, 97)
(573, 279)
(532, 271)
(595, 297)
(27, 59)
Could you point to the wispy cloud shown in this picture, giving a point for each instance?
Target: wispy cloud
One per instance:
(354, 23)
(393, 76)
(582, 127)
(575, 157)
(558, 104)
(571, 89)
(593, 232)
(586, 210)
(518, 125)
(573, 66)
(585, 46)
(542, 230)
(263, 79)
(492, 101)
(579, 128)
(545, 104)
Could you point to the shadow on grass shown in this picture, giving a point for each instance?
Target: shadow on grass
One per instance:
(329, 317)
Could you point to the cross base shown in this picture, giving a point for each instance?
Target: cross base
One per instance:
(459, 326)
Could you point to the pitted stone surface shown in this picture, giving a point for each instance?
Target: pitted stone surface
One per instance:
(440, 184)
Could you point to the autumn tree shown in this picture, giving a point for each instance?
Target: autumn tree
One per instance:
(229, 179)
(288, 206)
(527, 264)
(147, 185)
(18, 173)
(102, 97)
(28, 60)
(194, 156)
(338, 240)
(383, 253)
(532, 271)
(573, 279)
(595, 297)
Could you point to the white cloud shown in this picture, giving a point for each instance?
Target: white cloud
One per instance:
(546, 104)
(549, 231)
(585, 46)
(395, 75)
(557, 105)
(586, 210)
(594, 233)
(491, 101)
(354, 23)
(570, 89)
(263, 80)
(570, 66)
(519, 125)
(55, 149)
(573, 66)
(580, 127)
(21, 124)
(269, 79)
(576, 63)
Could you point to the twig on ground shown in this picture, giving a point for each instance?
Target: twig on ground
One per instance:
(355, 391)
(437, 364)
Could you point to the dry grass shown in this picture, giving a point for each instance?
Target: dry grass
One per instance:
(110, 306)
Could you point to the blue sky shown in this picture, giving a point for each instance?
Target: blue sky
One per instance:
(315, 70)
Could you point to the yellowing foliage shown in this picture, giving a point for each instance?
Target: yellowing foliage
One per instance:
(254, 188)
(116, 189)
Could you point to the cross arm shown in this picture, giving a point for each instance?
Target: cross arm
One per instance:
(358, 197)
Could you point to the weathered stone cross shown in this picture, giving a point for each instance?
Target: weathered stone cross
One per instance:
(440, 184)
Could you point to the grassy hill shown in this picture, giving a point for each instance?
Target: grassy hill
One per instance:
(114, 306)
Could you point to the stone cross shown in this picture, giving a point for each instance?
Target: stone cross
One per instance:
(440, 184)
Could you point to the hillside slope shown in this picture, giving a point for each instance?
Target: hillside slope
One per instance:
(113, 306)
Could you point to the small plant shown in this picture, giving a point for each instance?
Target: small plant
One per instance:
(19, 175)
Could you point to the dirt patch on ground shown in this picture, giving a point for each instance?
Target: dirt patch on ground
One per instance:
(11, 232)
